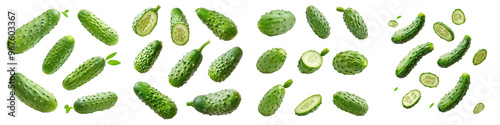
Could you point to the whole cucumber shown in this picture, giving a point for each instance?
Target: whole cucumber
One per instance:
(224, 65)
(93, 103)
(33, 95)
(158, 102)
(58, 55)
(98, 28)
(186, 67)
(218, 103)
(221, 26)
(84, 73)
(410, 61)
(454, 56)
(147, 57)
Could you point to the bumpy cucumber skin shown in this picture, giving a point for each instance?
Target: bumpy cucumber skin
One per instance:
(317, 21)
(447, 28)
(28, 35)
(147, 57)
(219, 103)
(178, 18)
(312, 110)
(97, 102)
(140, 15)
(350, 103)
(349, 62)
(84, 73)
(221, 26)
(450, 100)
(271, 101)
(276, 22)
(185, 68)
(98, 28)
(272, 60)
(454, 56)
(355, 23)
(58, 55)
(410, 61)
(33, 95)
(224, 65)
(303, 68)
(406, 34)
(158, 102)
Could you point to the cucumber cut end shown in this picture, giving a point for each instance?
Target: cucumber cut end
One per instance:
(312, 59)
(146, 24)
(478, 108)
(411, 98)
(180, 34)
(479, 57)
(308, 105)
(458, 17)
(443, 31)
(429, 80)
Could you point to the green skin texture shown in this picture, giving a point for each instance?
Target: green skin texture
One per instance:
(272, 99)
(410, 61)
(58, 55)
(28, 35)
(98, 28)
(317, 21)
(355, 23)
(350, 103)
(309, 102)
(84, 73)
(225, 64)
(158, 102)
(454, 56)
(147, 57)
(276, 22)
(219, 103)
(185, 68)
(303, 68)
(349, 62)
(139, 17)
(178, 18)
(447, 28)
(97, 102)
(406, 34)
(450, 100)
(272, 60)
(221, 26)
(33, 95)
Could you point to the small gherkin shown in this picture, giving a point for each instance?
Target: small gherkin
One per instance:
(84, 73)
(225, 64)
(272, 60)
(317, 21)
(147, 57)
(276, 22)
(157, 101)
(58, 55)
(33, 95)
(354, 23)
(452, 98)
(273, 98)
(350, 103)
(218, 103)
(93, 103)
(349, 62)
(98, 28)
(221, 26)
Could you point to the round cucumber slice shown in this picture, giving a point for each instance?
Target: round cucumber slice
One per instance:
(308, 105)
(147, 23)
(392, 23)
(180, 34)
(429, 80)
(443, 31)
(458, 17)
(479, 107)
(411, 98)
(310, 61)
(479, 56)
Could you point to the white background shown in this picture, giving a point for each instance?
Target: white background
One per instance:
(375, 84)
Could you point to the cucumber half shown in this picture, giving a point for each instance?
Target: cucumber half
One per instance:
(429, 80)
(479, 56)
(308, 105)
(458, 17)
(411, 98)
(180, 34)
(311, 61)
(146, 21)
(392, 23)
(443, 31)
(478, 108)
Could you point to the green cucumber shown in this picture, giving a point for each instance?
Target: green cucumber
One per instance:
(185, 68)
(479, 57)
(478, 108)
(392, 23)
(179, 28)
(311, 61)
(317, 21)
(58, 55)
(429, 80)
(271, 101)
(309, 105)
(276, 22)
(410, 61)
(225, 64)
(98, 28)
(458, 17)
(450, 100)
(349, 62)
(350, 103)
(272, 60)
(409, 32)
(354, 22)
(84, 73)
(218, 103)
(443, 31)
(145, 22)
(454, 56)
(411, 98)
(33, 95)
(147, 57)
(158, 102)
(221, 26)
(93, 103)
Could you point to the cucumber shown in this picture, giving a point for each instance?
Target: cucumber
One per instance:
(309, 105)
(454, 56)
(479, 57)
(410, 61)
(185, 68)
(273, 98)
(276, 22)
(350, 103)
(58, 55)
(218, 103)
(409, 32)
(179, 28)
(221, 26)
(147, 57)
(271, 61)
(158, 102)
(429, 80)
(392, 23)
(145, 22)
(311, 61)
(349, 62)
(225, 64)
(317, 21)
(443, 31)
(478, 108)
(84, 73)
(458, 17)
(450, 100)
(98, 28)
(33, 95)
(354, 22)
(411, 98)
(93, 103)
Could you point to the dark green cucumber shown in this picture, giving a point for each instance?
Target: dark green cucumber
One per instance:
(479, 57)
(145, 22)
(147, 57)
(443, 31)
(276, 22)
(58, 55)
(450, 100)
(273, 98)
(28, 35)
(224, 65)
(271, 61)
(84, 73)
(309, 105)
(317, 21)
(179, 28)
(406, 34)
(33, 95)
(158, 102)
(186, 67)
(311, 61)
(458, 17)
(221, 26)
(93, 103)
(350, 103)
(98, 28)
(411, 98)
(410, 61)
(454, 56)
(354, 22)
(218, 103)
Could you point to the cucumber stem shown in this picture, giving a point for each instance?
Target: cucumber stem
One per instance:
(288, 83)
(157, 8)
(325, 51)
(68, 108)
(189, 103)
(203, 46)
(340, 9)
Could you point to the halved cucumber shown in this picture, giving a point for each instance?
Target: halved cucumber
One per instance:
(443, 31)
(392, 23)
(411, 98)
(479, 56)
(308, 105)
(179, 27)
(311, 61)
(429, 80)
(458, 17)
(479, 107)
(145, 22)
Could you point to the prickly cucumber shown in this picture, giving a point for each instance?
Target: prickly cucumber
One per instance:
(158, 102)
(410, 61)
(224, 65)
(354, 22)
(456, 55)
(93, 103)
(350, 103)
(221, 26)
(218, 103)
(406, 34)
(98, 28)
(147, 57)
(186, 67)
(450, 100)
(317, 21)
(84, 73)
(273, 98)
(276, 22)
(33, 95)
(58, 55)
(349, 62)
(272, 60)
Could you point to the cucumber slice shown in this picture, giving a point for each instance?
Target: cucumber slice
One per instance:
(411, 98)
(308, 105)
(146, 21)
(429, 80)
(443, 31)
(479, 56)
(392, 23)
(458, 17)
(479, 107)
(180, 34)
(310, 62)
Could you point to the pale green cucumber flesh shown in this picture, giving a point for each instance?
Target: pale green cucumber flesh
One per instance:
(411, 98)
(392, 23)
(478, 108)
(458, 17)
(442, 32)
(312, 59)
(479, 56)
(147, 23)
(309, 104)
(429, 80)
(180, 34)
